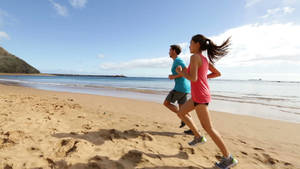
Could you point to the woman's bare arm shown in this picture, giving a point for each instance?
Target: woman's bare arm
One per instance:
(192, 75)
(214, 71)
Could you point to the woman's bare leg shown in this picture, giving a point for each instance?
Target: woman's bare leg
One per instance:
(182, 114)
(204, 117)
(189, 115)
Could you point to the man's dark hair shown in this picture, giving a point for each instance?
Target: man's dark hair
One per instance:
(177, 48)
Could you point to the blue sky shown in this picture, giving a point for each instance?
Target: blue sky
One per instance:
(132, 37)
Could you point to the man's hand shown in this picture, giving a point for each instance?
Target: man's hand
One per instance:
(171, 77)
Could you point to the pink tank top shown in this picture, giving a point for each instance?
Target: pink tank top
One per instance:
(200, 89)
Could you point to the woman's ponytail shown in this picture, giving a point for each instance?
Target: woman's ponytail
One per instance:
(214, 51)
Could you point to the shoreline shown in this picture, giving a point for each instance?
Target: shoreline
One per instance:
(26, 74)
(262, 107)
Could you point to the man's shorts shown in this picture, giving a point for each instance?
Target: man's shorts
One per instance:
(174, 96)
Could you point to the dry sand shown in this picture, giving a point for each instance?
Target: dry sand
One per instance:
(45, 129)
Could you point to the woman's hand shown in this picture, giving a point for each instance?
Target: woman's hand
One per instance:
(179, 70)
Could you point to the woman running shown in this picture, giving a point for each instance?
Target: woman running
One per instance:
(197, 74)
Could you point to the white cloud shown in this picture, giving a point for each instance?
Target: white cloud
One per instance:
(288, 10)
(265, 44)
(250, 3)
(78, 3)
(278, 12)
(4, 35)
(60, 9)
(100, 56)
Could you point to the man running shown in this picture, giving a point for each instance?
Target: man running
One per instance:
(182, 86)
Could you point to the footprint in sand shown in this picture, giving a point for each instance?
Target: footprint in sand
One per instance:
(47, 118)
(99, 162)
(71, 100)
(242, 141)
(73, 133)
(114, 134)
(258, 149)
(188, 150)
(146, 137)
(287, 164)
(51, 163)
(11, 138)
(7, 166)
(269, 159)
(134, 133)
(34, 149)
(266, 159)
(244, 153)
(6, 142)
(74, 106)
(133, 156)
(65, 147)
(81, 117)
(127, 134)
(87, 127)
(58, 107)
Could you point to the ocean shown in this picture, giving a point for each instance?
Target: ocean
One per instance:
(277, 100)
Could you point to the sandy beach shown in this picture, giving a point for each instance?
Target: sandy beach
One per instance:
(45, 129)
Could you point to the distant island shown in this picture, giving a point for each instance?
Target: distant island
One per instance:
(10, 63)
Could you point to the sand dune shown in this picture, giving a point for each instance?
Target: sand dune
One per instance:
(43, 129)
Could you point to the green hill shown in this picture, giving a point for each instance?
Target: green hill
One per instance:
(12, 64)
